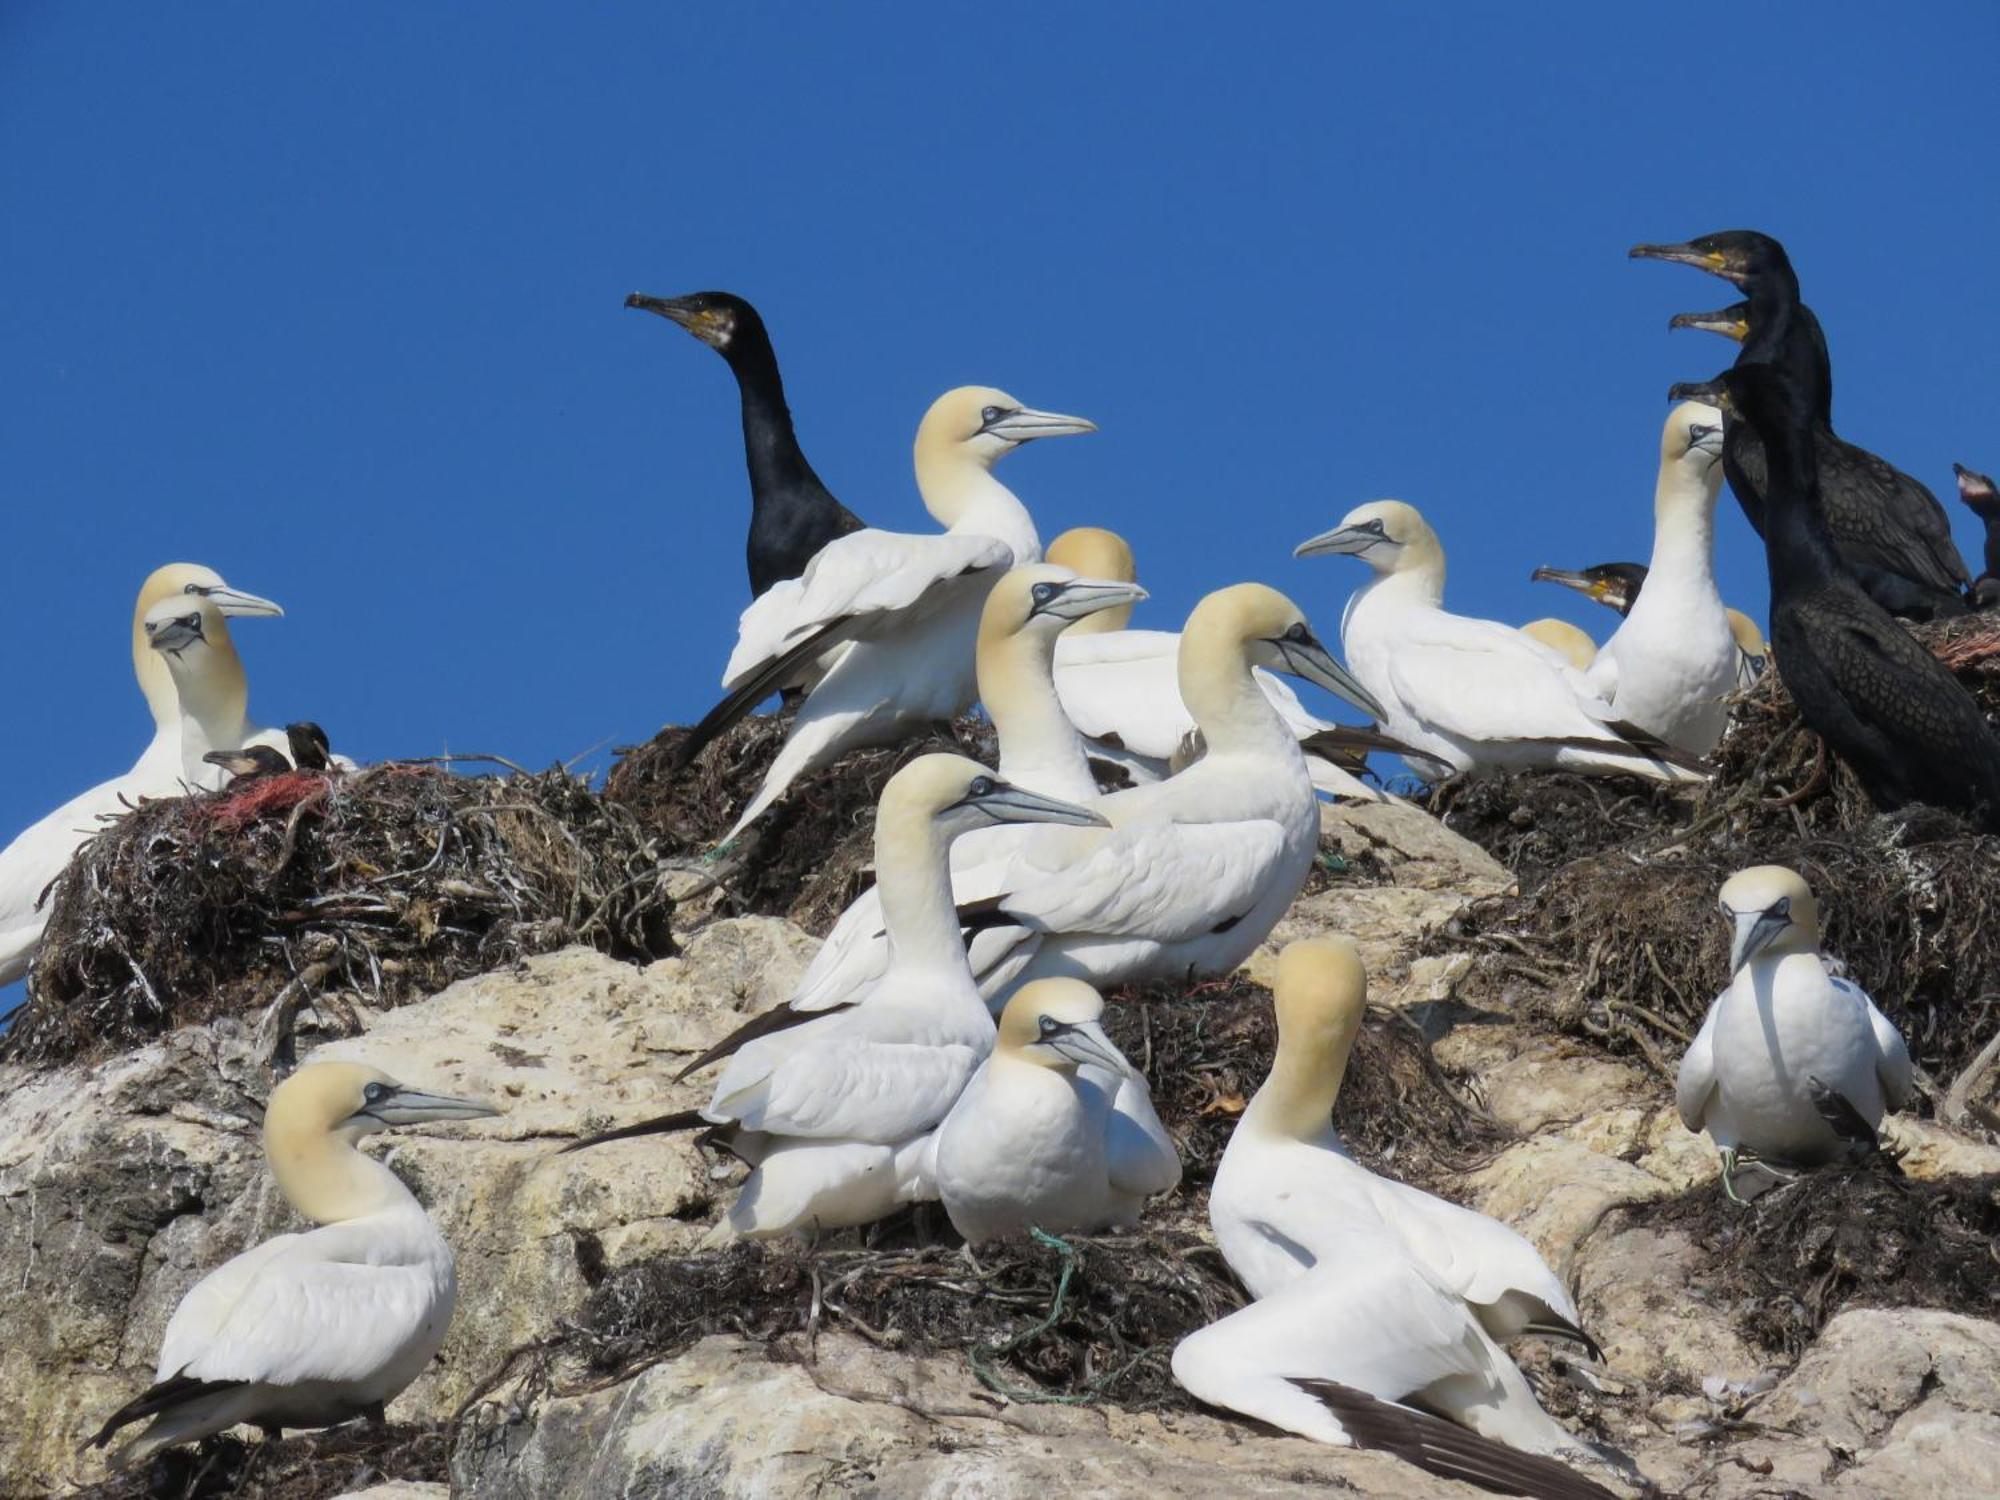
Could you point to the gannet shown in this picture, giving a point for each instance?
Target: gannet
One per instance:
(1119, 686)
(908, 604)
(249, 763)
(38, 854)
(833, 1112)
(310, 1329)
(1468, 694)
(792, 515)
(1792, 1065)
(1618, 585)
(1571, 642)
(1359, 1280)
(1979, 496)
(1033, 1142)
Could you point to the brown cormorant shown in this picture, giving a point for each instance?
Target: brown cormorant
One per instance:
(792, 514)
(310, 750)
(250, 763)
(1983, 500)
(1879, 699)
(1889, 528)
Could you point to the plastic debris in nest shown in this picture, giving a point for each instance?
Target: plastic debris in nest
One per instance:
(319, 1465)
(392, 882)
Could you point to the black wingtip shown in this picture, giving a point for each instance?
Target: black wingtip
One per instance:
(753, 690)
(766, 1023)
(1568, 1332)
(680, 1119)
(1841, 1117)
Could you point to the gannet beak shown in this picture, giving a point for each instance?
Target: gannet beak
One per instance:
(1751, 932)
(235, 603)
(1712, 392)
(412, 1107)
(711, 325)
(1084, 1043)
(1082, 597)
(1583, 583)
(1027, 424)
(1344, 541)
(1004, 803)
(1731, 325)
(1705, 437)
(1711, 261)
(171, 637)
(1312, 661)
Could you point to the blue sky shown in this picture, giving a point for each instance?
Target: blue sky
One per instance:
(329, 296)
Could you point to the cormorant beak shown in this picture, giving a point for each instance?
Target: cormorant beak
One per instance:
(713, 326)
(1712, 392)
(235, 762)
(236, 604)
(1027, 424)
(1976, 490)
(404, 1106)
(1082, 597)
(1583, 583)
(1084, 1043)
(1712, 261)
(1754, 931)
(1728, 322)
(1012, 804)
(1312, 661)
(1344, 541)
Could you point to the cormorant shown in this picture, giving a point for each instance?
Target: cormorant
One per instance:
(792, 515)
(1983, 500)
(1879, 699)
(250, 763)
(1615, 585)
(310, 750)
(1888, 527)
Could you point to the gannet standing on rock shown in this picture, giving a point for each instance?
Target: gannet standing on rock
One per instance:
(1033, 1142)
(37, 855)
(1365, 1284)
(1791, 1065)
(311, 1329)
(833, 1112)
(1468, 694)
(908, 603)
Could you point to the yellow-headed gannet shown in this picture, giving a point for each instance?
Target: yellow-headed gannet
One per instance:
(906, 605)
(1361, 1282)
(1752, 651)
(1468, 694)
(1572, 642)
(1618, 585)
(37, 855)
(1672, 664)
(310, 1329)
(1792, 1065)
(833, 1111)
(1119, 686)
(1033, 1142)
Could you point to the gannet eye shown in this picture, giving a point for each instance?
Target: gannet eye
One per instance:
(988, 415)
(1048, 1025)
(1043, 592)
(194, 588)
(1298, 634)
(982, 786)
(193, 622)
(1782, 907)
(375, 1093)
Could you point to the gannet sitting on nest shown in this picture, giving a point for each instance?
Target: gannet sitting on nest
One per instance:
(1033, 1142)
(833, 1111)
(310, 1329)
(1119, 686)
(1368, 1285)
(37, 855)
(1469, 694)
(1791, 1065)
(906, 605)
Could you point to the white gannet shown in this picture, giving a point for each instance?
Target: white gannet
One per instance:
(905, 605)
(1617, 586)
(834, 1111)
(1119, 685)
(1468, 694)
(1752, 651)
(37, 854)
(1033, 1142)
(1672, 663)
(1791, 1065)
(310, 1329)
(1360, 1281)
(1572, 642)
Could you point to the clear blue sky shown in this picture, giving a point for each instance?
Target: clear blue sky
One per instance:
(328, 296)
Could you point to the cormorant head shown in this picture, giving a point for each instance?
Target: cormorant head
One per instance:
(1732, 322)
(1769, 909)
(1766, 397)
(1615, 585)
(250, 762)
(1054, 1023)
(721, 320)
(310, 750)
(1743, 256)
(1978, 493)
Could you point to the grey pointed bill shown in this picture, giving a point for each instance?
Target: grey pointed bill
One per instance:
(1084, 1043)
(414, 1107)
(1313, 662)
(1027, 424)
(1711, 261)
(1342, 541)
(1081, 598)
(1006, 803)
(1751, 932)
(237, 604)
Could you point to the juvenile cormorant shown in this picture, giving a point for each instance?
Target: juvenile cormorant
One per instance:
(1983, 500)
(310, 750)
(792, 515)
(1882, 703)
(250, 763)
(1889, 528)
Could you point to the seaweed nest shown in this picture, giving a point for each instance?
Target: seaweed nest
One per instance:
(306, 1466)
(392, 882)
(811, 853)
(1851, 1236)
(1535, 822)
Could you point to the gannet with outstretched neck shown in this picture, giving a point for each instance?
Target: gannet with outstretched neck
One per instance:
(833, 1111)
(1360, 1281)
(1033, 1142)
(37, 855)
(1467, 694)
(1792, 1065)
(907, 604)
(1119, 686)
(1671, 666)
(310, 1329)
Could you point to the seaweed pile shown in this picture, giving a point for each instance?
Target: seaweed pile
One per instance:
(305, 1466)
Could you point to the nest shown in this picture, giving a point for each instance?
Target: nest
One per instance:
(306, 1466)
(810, 854)
(393, 881)
(1536, 822)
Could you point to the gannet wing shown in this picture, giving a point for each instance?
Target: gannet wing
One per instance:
(1695, 1085)
(1892, 1060)
(1480, 682)
(1162, 881)
(855, 1088)
(37, 856)
(1139, 1153)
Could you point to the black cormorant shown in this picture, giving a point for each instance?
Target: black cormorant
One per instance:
(1983, 500)
(1889, 527)
(1614, 585)
(1879, 699)
(792, 515)
(310, 750)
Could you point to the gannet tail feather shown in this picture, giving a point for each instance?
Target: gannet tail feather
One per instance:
(1449, 1450)
(758, 686)
(160, 1397)
(1346, 741)
(682, 1119)
(1550, 1326)
(1842, 1118)
(1636, 746)
(765, 1023)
